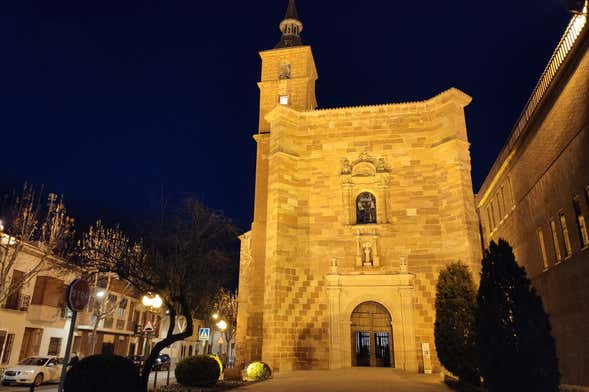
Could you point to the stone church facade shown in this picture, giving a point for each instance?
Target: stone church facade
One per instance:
(356, 211)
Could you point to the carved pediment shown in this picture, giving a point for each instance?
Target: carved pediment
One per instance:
(364, 166)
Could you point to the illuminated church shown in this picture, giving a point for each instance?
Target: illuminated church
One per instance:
(356, 211)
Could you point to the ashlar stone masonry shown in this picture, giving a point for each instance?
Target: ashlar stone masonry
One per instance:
(354, 206)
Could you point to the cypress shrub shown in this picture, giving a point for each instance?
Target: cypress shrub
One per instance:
(517, 349)
(455, 326)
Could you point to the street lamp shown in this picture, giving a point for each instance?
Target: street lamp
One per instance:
(100, 294)
(1, 226)
(152, 302)
(215, 316)
(222, 325)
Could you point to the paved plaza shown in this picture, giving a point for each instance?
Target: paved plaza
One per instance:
(351, 380)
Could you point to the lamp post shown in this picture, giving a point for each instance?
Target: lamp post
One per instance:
(222, 326)
(152, 302)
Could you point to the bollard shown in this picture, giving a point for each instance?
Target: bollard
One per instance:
(155, 380)
(168, 378)
(32, 388)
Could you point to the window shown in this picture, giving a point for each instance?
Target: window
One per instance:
(365, 208)
(493, 214)
(490, 217)
(283, 100)
(108, 322)
(499, 206)
(505, 208)
(581, 224)
(565, 234)
(54, 346)
(555, 240)
(542, 247)
(7, 348)
(122, 307)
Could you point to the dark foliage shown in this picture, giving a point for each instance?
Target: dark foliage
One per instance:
(198, 371)
(100, 373)
(517, 349)
(455, 326)
(186, 255)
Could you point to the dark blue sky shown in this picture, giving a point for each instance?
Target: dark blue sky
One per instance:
(109, 102)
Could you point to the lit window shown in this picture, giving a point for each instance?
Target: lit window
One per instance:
(542, 247)
(555, 240)
(284, 99)
(565, 234)
(581, 224)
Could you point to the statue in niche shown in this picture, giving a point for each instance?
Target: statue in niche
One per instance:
(284, 71)
(365, 209)
(367, 251)
(404, 265)
(346, 167)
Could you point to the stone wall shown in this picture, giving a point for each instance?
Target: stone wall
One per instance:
(545, 171)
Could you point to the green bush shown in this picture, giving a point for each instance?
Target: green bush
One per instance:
(258, 371)
(216, 358)
(198, 371)
(454, 329)
(100, 373)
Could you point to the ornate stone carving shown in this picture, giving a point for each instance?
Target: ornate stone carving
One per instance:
(368, 175)
(346, 167)
(367, 248)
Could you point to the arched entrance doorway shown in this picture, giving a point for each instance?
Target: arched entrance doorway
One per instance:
(372, 342)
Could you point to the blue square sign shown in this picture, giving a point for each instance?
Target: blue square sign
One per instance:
(204, 333)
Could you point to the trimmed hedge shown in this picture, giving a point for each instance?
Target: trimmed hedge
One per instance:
(99, 373)
(198, 371)
(216, 358)
(258, 371)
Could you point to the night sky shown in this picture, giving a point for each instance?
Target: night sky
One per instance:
(112, 103)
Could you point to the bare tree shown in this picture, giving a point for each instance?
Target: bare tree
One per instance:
(184, 257)
(226, 306)
(44, 231)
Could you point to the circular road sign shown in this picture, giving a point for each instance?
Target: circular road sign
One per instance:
(78, 295)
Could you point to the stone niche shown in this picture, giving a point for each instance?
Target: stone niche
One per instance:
(366, 174)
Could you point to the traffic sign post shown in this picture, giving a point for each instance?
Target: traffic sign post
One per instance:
(204, 333)
(78, 295)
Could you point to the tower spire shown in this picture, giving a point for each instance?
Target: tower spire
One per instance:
(290, 27)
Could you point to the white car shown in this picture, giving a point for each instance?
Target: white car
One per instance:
(34, 370)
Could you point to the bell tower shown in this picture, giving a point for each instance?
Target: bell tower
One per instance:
(288, 71)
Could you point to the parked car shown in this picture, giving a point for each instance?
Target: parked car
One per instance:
(137, 360)
(162, 362)
(34, 370)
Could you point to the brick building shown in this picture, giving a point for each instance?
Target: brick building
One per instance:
(356, 211)
(536, 196)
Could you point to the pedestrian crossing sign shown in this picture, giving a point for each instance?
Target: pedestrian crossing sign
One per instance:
(203, 333)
